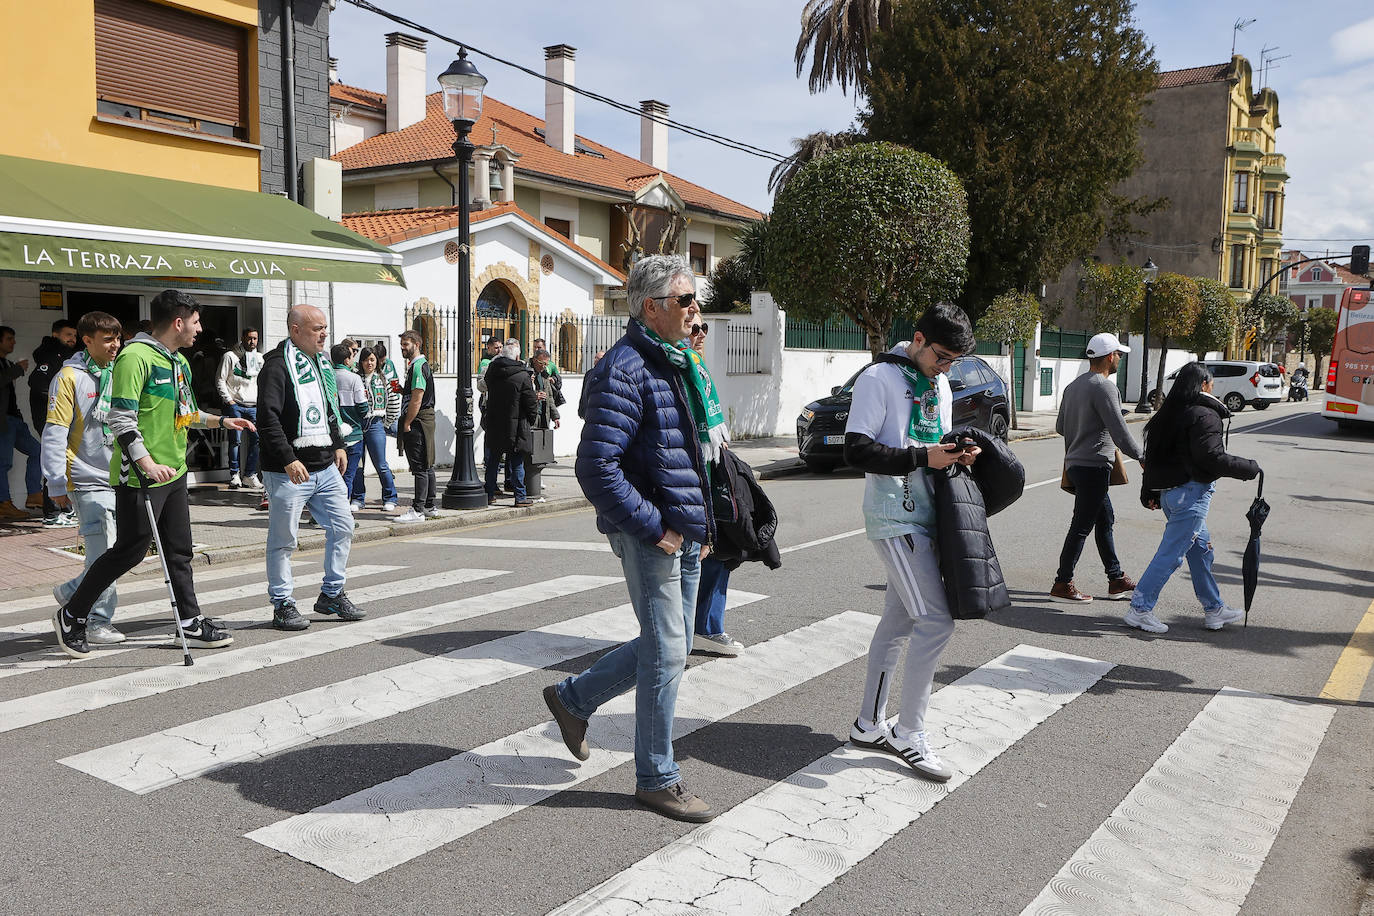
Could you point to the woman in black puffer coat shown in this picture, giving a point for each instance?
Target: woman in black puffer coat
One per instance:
(1184, 455)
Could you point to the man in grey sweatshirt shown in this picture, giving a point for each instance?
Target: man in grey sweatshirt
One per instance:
(1093, 429)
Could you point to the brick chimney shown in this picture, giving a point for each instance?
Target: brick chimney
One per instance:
(558, 101)
(405, 80)
(653, 136)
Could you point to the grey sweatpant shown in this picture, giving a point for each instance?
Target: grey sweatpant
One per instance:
(916, 612)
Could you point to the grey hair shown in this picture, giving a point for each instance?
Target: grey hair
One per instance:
(652, 276)
(511, 349)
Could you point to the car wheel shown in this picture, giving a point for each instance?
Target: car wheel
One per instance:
(1261, 405)
(1234, 402)
(817, 466)
(998, 426)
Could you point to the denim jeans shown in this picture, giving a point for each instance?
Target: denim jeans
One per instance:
(324, 493)
(515, 468)
(354, 469)
(95, 509)
(1185, 535)
(663, 592)
(1092, 511)
(247, 442)
(715, 582)
(15, 437)
(374, 442)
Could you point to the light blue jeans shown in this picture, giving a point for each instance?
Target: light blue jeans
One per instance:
(663, 592)
(324, 493)
(95, 510)
(1185, 536)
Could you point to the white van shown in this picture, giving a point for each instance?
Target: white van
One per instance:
(1237, 383)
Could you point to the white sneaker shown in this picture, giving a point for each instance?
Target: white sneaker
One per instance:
(389, 507)
(410, 517)
(873, 739)
(1211, 620)
(253, 482)
(915, 750)
(355, 508)
(103, 634)
(432, 512)
(235, 483)
(719, 643)
(1145, 620)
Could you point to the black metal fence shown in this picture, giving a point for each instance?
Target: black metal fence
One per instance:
(574, 340)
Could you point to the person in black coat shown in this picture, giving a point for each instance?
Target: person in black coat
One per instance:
(52, 351)
(511, 409)
(1185, 454)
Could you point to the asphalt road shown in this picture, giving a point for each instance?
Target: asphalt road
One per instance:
(122, 799)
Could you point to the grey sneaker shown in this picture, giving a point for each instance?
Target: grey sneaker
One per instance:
(676, 802)
(286, 616)
(338, 606)
(1211, 620)
(719, 643)
(103, 634)
(915, 750)
(573, 729)
(1145, 620)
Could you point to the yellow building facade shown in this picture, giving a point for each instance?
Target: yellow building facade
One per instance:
(1255, 178)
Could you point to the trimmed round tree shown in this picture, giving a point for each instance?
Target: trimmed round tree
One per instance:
(1012, 317)
(1110, 293)
(1270, 316)
(872, 232)
(1216, 318)
(1322, 334)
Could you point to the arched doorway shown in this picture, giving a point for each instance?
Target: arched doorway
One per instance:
(499, 313)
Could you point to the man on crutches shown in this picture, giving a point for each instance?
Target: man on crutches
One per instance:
(151, 409)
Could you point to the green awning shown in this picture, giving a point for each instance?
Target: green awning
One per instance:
(66, 219)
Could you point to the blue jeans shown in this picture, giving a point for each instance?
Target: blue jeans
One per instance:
(15, 437)
(354, 469)
(515, 470)
(248, 442)
(374, 441)
(324, 493)
(1185, 535)
(95, 509)
(663, 592)
(715, 581)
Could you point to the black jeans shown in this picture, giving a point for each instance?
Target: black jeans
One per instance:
(1092, 511)
(132, 537)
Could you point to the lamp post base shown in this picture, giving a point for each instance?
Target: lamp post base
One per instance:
(464, 494)
(1143, 406)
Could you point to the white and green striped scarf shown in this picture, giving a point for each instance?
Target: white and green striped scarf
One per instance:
(312, 398)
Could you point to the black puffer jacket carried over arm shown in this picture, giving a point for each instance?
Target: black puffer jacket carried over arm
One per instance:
(745, 518)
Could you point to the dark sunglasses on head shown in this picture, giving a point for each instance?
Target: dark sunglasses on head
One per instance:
(700, 329)
(683, 301)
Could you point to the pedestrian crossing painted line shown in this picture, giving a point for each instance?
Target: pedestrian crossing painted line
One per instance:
(590, 546)
(777, 850)
(1193, 833)
(161, 607)
(134, 685)
(53, 657)
(376, 829)
(175, 755)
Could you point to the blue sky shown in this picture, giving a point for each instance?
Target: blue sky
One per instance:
(727, 67)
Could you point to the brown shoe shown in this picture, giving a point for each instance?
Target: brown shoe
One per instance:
(1120, 589)
(523, 503)
(676, 802)
(10, 512)
(35, 501)
(574, 729)
(1068, 593)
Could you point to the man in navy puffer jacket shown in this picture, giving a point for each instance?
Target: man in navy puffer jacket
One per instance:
(642, 467)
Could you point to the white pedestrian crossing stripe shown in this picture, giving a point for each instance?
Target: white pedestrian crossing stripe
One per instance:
(53, 657)
(177, 754)
(67, 701)
(1193, 833)
(777, 850)
(370, 831)
(589, 546)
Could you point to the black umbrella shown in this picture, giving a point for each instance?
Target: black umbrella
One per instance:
(1249, 567)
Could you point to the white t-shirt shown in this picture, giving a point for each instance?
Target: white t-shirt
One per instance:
(881, 410)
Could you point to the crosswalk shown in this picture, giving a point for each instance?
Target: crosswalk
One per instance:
(1181, 840)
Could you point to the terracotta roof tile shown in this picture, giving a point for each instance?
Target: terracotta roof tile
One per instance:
(431, 140)
(388, 227)
(1212, 73)
(352, 95)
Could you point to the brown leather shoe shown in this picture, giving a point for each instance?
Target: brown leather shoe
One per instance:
(35, 501)
(574, 729)
(1068, 593)
(10, 512)
(1120, 589)
(676, 802)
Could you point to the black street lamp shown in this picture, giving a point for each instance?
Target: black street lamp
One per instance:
(1143, 406)
(462, 88)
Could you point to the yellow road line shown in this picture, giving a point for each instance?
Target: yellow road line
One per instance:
(1352, 668)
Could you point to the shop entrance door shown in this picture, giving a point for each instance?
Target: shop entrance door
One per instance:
(124, 306)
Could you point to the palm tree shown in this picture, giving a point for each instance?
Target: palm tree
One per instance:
(840, 31)
(812, 146)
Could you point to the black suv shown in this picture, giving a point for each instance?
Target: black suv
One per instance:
(980, 399)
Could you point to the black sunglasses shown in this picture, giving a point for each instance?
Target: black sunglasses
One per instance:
(700, 329)
(683, 301)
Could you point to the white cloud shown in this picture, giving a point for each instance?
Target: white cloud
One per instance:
(1355, 42)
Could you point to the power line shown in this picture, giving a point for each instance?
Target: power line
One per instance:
(1296, 239)
(699, 133)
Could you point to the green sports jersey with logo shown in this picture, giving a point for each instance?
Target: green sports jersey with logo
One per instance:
(145, 380)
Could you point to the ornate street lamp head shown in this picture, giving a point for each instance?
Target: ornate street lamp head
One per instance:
(462, 86)
(1150, 271)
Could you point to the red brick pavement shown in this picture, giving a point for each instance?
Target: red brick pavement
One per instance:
(26, 558)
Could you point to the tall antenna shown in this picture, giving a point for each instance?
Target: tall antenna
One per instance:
(1241, 25)
(1267, 65)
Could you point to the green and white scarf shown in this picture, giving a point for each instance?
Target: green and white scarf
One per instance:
(376, 394)
(925, 427)
(249, 363)
(104, 375)
(308, 374)
(701, 395)
(187, 412)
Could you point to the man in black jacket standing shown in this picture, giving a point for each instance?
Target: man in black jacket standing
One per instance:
(51, 353)
(511, 409)
(303, 461)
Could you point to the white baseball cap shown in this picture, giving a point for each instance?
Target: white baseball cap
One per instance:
(1102, 344)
